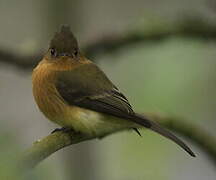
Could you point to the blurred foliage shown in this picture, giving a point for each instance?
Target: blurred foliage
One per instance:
(10, 153)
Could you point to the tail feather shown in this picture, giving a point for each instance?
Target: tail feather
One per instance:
(141, 120)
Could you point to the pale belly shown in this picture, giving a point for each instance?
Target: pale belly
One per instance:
(93, 123)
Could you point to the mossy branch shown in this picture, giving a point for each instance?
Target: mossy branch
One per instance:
(43, 148)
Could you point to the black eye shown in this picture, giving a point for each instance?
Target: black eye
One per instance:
(76, 52)
(53, 52)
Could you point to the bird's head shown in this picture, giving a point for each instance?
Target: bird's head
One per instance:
(63, 45)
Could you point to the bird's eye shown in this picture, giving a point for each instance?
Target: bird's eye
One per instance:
(76, 52)
(53, 52)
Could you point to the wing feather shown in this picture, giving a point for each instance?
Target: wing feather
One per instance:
(88, 87)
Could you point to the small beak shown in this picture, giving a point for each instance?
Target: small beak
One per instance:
(64, 54)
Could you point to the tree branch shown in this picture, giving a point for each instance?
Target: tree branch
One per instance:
(58, 140)
(43, 148)
(197, 134)
(195, 27)
(19, 61)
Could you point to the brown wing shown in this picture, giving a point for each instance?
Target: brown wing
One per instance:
(88, 87)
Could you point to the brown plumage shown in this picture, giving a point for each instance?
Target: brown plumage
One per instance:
(73, 92)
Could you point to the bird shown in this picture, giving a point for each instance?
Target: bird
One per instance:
(73, 92)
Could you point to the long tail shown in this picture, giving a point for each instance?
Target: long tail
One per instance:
(141, 120)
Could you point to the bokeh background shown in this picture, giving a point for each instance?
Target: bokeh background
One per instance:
(175, 76)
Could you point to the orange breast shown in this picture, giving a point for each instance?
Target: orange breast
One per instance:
(51, 103)
(45, 93)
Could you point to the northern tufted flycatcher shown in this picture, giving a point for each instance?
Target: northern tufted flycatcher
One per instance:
(73, 92)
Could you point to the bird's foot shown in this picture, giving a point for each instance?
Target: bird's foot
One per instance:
(63, 129)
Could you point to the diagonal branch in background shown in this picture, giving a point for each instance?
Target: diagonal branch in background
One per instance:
(58, 140)
(19, 61)
(195, 27)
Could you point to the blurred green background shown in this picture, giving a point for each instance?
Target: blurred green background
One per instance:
(175, 77)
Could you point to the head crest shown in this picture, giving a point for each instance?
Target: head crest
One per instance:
(64, 41)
